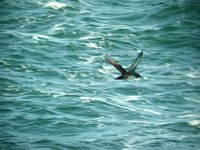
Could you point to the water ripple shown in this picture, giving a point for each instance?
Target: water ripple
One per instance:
(58, 92)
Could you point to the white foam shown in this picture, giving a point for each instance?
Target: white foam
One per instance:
(91, 35)
(28, 71)
(55, 5)
(40, 36)
(89, 99)
(92, 45)
(108, 67)
(85, 99)
(151, 111)
(57, 27)
(103, 71)
(71, 75)
(189, 116)
(3, 62)
(108, 70)
(192, 100)
(193, 74)
(195, 123)
(59, 94)
(87, 37)
(88, 59)
(132, 98)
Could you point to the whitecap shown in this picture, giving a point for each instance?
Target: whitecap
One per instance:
(91, 35)
(85, 99)
(195, 123)
(108, 67)
(40, 36)
(57, 27)
(59, 94)
(193, 74)
(45, 92)
(189, 116)
(29, 71)
(103, 71)
(88, 59)
(191, 99)
(92, 45)
(71, 75)
(4, 63)
(89, 99)
(132, 98)
(87, 37)
(55, 5)
(107, 70)
(151, 111)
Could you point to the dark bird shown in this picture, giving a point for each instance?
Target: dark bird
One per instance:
(131, 71)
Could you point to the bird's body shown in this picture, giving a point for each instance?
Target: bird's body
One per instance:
(131, 71)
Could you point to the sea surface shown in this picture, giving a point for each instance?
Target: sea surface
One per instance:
(57, 92)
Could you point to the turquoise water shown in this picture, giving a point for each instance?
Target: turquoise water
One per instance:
(58, 92)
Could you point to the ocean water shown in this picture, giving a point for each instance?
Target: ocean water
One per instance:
(58, 92)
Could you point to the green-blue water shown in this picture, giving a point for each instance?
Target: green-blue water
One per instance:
(58, 92)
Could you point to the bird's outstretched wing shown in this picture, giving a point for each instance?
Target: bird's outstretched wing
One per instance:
(116, 65)
(135, 64)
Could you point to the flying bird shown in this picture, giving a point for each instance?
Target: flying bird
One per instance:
(131, 71)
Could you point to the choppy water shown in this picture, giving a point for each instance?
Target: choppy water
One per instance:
(57, 91)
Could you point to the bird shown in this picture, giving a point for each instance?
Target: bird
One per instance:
(124, 73)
